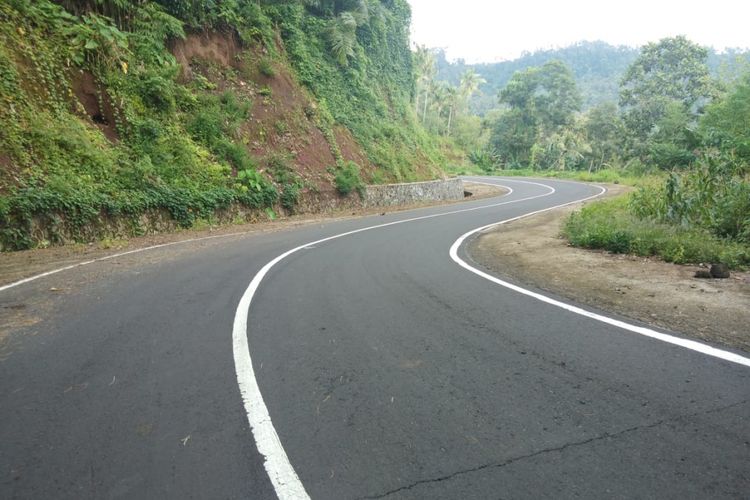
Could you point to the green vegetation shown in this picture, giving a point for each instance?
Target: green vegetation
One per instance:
(347, 179)
(102, 125)
(597, 66)
(610, 175)
(443, 109)
(355, 58)
(64, 174)
(535, 128)
(700, 211)
(611, 225)
(677, 133)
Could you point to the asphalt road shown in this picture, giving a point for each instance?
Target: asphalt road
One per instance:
(388, 372)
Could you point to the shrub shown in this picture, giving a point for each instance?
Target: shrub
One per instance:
(712, 197)
(609, 225)
(347, 179)
(157, 92)
(265, 67)
(289, 198)
(486, 159)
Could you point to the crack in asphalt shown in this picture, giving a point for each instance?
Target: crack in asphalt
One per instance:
(498, 465)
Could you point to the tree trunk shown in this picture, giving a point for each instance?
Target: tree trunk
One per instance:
(450, 118)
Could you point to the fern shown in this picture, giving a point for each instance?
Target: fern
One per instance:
(342, 36)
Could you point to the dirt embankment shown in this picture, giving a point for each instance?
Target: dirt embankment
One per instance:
(531, 252)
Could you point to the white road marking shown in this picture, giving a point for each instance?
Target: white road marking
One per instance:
(285, 481)
(688, 344)
(113, 256)
(137, 250)
(280, 471)
(472, 179)
(153, 247)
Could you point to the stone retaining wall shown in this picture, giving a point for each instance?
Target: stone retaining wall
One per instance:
(413, 192)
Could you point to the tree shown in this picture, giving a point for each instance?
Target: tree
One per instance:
(565, 149)
(342, 29)
(451, 101)
(726, 124)
(672, 70)
(604, 130)
(556, 98)
(424, 74)
(469, 85)
(513, 136)
(547, 94)
(673, 140)
(541, 102)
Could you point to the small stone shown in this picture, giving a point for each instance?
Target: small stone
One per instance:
(720, 271)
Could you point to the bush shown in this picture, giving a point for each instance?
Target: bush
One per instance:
(711, 197)
(486, 159)
(609, 225)
(347, 179)
(290, 194)
(157, 92)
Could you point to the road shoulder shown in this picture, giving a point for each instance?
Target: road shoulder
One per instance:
(530, 251)
(15, 266)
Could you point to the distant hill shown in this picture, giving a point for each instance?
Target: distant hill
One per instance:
(597, 66)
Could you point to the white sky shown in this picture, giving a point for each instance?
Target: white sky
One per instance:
(488, 31)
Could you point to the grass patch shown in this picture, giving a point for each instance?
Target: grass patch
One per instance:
(265, 67)
(609, 225)
(613, 176)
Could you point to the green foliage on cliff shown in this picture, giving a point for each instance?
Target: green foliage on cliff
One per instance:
(365, 82)
(151, 140)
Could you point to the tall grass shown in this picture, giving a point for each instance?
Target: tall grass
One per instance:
(610, 225)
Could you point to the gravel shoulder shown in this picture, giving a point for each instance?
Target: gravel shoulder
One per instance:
(532, 252)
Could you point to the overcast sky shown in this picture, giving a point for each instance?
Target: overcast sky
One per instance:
(494, 30)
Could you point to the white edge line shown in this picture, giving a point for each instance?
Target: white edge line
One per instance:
(688, 344)
(114, 256)
(284, 479)
(153, 247)
(510, 190)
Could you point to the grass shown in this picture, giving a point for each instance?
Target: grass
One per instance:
(466, 168)
(609, 225)
(614, 176)
(265, 66)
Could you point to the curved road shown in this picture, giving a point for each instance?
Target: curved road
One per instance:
(388, 371)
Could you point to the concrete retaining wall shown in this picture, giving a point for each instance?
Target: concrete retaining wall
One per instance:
(414, 192)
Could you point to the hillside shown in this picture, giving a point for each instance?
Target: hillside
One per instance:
(597, 66)
(130, 116)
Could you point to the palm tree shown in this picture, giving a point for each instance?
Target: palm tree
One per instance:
(470, 82)
(424, 72)
(451, 101)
